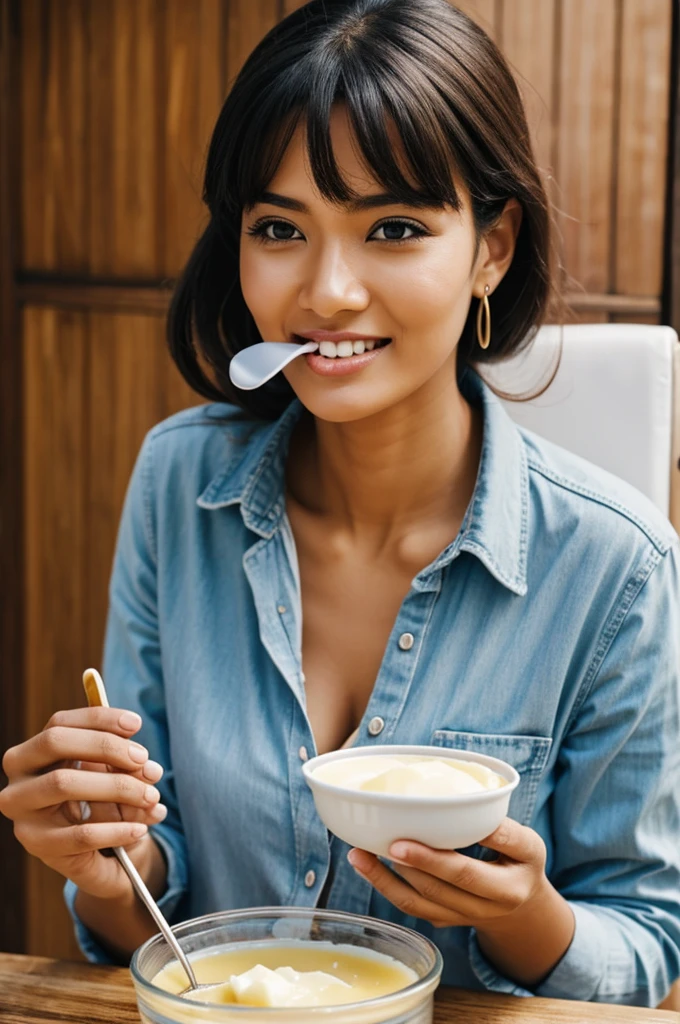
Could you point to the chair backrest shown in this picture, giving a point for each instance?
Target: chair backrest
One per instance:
(615, 400)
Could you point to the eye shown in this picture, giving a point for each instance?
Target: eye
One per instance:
(281, 231)
(393, 231)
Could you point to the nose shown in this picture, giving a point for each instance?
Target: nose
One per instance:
(331, 285)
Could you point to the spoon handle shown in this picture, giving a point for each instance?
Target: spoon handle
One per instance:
(153, 908)
(96, 697)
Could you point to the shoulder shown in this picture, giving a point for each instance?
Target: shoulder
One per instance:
(594, 498)
(193, 426)
(189, 452)
(205, 434)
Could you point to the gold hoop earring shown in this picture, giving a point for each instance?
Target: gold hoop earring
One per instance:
(485, 311)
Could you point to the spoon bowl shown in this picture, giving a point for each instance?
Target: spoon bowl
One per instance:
(254, 366)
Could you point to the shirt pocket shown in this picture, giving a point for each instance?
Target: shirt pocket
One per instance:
(527, 754)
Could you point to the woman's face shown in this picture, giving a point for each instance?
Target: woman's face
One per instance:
(399, 274)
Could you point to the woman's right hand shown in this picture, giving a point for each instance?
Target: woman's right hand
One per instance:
(115, 777)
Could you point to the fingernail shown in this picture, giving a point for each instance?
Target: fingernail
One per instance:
(138, 753)
(137, 831)
(129, 720)
(152, 771)
(399, 851)
(355, 859)
(151, 795)
(159, 813)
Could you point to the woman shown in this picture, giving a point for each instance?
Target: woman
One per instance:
(369, 551)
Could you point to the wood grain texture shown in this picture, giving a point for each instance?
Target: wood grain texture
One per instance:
(55, 357)
(642, 146)
(11, 475)
(527, 34)
(34, 990)
(196, 82)
(118, 104)
(152, 298)
(485, 12)
(248, 21)
(584, 157)
(95, 383)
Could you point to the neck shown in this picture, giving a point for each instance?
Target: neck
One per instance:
(410, 465)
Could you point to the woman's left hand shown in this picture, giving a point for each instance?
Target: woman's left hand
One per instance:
(447, 888)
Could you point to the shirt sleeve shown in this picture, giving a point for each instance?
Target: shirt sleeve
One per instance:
(132, 671)
(615, 809)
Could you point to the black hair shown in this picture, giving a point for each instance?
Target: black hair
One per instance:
(420, 65)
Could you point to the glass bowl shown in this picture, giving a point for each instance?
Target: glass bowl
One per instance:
(287, 925)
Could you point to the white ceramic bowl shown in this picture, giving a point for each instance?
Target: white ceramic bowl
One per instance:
(373, 821)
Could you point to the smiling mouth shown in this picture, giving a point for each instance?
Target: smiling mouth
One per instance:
(347, 349)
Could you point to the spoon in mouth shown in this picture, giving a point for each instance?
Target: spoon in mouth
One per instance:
(96, 698)
(254, 366)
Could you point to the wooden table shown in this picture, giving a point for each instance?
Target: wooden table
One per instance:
(35, 990)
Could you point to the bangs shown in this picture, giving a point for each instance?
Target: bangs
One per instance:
(384, 101)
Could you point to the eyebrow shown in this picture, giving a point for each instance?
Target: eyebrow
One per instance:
(354, 206)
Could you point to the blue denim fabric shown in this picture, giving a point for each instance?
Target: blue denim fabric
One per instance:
(547, 634)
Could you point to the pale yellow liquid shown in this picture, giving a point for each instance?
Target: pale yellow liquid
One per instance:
(370, 974)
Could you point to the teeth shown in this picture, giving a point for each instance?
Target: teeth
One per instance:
(344, 349)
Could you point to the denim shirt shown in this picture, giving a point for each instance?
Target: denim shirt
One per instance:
(547, 634)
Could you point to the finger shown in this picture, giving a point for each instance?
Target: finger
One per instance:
(447, 897)
(398, 892)
(60, 743)
(110, 812)
(125, 812)
(466, 874)
(51, 844)
(68, 784)
(118, 720)
(150, 771)
(517, 842)
(42, 750)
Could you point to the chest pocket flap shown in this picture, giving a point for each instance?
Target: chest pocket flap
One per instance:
(527, 754)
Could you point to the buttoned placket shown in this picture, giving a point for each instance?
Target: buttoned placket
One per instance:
(382, 718)
(271, 568)
(272, 572)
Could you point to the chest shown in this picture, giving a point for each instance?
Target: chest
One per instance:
(350, 599)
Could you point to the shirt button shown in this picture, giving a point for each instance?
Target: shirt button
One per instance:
(303, 753)
(281, 609)
(406, 641)
(376, 726)
(310, 879)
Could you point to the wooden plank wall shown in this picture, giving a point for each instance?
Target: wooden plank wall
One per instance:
(117, 100)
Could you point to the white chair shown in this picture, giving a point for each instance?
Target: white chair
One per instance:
(615, 400)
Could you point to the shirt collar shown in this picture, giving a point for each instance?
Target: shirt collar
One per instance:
(496, 522)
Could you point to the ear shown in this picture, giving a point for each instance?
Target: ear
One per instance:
(497, 248)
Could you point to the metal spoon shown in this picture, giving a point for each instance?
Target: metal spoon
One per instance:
(96, 697)
(254, 366)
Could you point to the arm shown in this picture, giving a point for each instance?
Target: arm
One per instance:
(121, 925)
(604, 923)
(134, 679)
(616, 809)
